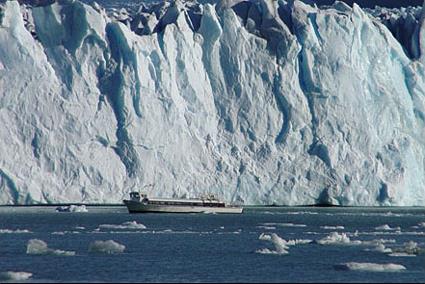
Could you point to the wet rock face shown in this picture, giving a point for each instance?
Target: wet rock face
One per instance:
(258, 102)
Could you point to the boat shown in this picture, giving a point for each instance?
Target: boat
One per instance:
(140, 203)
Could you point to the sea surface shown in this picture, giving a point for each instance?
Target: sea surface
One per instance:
(333, 245)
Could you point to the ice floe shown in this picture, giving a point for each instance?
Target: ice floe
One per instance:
(17, 231)
(39, 247)
(336, 238)
(284, 225)
(332, 227)
(267, 227)
(371, 267)
(72, 208)
(410, 248)
(65, 232)
(393, 233)
(130, 225)
(380, 248)
(281, 245)
(15, 276)
(386, 227)
(108, 247)
(401, 254)
(419, 226)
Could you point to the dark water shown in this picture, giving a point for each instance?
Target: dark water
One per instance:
(211, 248)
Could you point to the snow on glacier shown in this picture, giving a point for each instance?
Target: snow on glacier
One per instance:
(259, 102)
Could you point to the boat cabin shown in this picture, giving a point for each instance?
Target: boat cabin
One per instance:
(134, 196)
(205, 201)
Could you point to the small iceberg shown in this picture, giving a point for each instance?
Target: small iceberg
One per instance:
(17, 231)
(410, 248)
(380, 247)
(402, 254)
(370, 267)
(15, 276)
(285, 225)
(332, 227)
(72, 208)
(130, 225)
(281, 245)
(108, 247)
(39, 247)
(386, 227)
(335, 238)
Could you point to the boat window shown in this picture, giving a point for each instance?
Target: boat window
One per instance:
(134, 195)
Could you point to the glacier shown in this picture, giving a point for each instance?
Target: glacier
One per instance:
(259, 102)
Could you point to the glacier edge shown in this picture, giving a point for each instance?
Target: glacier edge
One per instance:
(261, 102)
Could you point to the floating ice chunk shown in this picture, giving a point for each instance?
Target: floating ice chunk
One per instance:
(372, 267)
(387, 228)
(278, 242)
(389, 233)
(15, 276)
(268, 251)
(419, 226)
(72, 208)
(335, 238)
(39, 247)
(281, 245)
(267, 227)
(298, 242)
(108, 247)
(401, 254)
(65, 232)
(285, 225)
(301, 213)
(380, 248)
(35, 246)
(379, 241)
(332, 227)
(130, 225)
(265, 237)
(410, 248)
(291, 225)
(17, 231)
(80, 228)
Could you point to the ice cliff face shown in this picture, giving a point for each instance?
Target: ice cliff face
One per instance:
(261, 102)
(405, 24)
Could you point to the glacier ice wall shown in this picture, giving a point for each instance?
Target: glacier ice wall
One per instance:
(259, 102)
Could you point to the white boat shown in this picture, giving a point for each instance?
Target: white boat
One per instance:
(140, 203)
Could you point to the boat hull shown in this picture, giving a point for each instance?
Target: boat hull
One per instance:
(138, 207)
